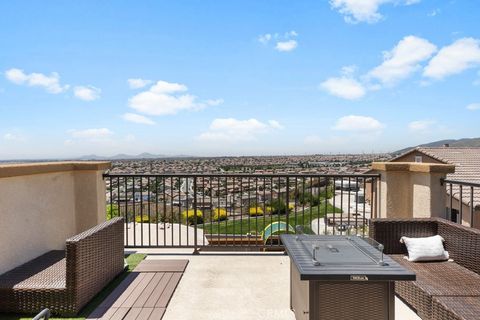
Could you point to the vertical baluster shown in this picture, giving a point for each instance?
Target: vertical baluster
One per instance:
(164, 202)
(187, 208)
(125, 178)
(325, 218)
(195, 234)
(472, 207)
(148, 212)
(141, 209)
(460, 204)
(334, 207)
(364, 200)
(134, 214)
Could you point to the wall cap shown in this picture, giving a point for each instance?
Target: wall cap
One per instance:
(24, 169)
(413, 167)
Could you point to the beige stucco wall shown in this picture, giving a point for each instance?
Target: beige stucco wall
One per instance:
(41, 205)
(411, 190)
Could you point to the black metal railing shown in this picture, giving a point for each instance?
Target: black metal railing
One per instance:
(238, 210)
(463, 201)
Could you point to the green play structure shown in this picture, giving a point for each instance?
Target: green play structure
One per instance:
(274, 228)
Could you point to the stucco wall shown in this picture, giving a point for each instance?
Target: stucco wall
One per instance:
(39, 211)
(411, 190)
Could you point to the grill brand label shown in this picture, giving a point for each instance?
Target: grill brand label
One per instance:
(358, 278)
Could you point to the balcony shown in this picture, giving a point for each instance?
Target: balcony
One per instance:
(240, 271)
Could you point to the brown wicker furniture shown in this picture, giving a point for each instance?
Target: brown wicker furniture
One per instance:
(443, 290)
(64, 281)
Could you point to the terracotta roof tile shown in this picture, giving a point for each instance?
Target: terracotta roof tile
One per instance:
(467, 168)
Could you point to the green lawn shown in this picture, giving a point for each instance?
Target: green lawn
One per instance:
(133, 260)
(257, 224)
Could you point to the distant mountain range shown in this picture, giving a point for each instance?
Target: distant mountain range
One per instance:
(123, 156)
(466, 142)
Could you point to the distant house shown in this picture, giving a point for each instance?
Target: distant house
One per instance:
(467, 168)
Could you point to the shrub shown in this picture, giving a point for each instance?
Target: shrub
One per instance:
(145, 218)
(189, 216)
(315, 200)
(304, 198)
(219, 214)
(278, 206)
(255, 211)
(112, 211)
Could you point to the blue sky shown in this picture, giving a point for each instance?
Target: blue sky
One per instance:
(235, 77)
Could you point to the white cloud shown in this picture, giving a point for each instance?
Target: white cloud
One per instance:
(275, 124)
(50, 83)
(349, 70)
(214, 102)
(138, 83)
(9, 136)
(421, 125)
(355, 11)
(285, 46)
(358, 123)
(230, 129)
(344, 87)
(93, 134)
(283, 42)
(87, 93)
(434, 12)
(264, 38)
(453, 59)
(403, 60)
(130, 138)
(132, 117)
(473, 106)
(166, 98)
(291, 33)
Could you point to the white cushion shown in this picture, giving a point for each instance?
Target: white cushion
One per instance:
(425, 249)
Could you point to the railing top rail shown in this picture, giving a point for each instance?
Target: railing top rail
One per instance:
(245, 175)
(462, 183)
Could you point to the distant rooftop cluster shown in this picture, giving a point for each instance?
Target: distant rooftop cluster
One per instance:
(350, 163)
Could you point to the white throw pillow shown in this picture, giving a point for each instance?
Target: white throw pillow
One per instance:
(425, 249)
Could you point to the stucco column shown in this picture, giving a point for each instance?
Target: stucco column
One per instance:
(90, 201)
(43, 204)
(411, 190)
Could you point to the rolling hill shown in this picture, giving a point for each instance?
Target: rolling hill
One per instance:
(465, 142)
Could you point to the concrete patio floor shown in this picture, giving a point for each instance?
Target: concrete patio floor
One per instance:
(222, 285)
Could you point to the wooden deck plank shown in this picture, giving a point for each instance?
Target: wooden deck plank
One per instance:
(157, 293)
(142, 295)
(157, 314)
(133, 314)
(177, 265)
(140, 302)
(109, 314)
(168, 291)
(119, 301)
(119, 290)
(145, 314)
(101, 313)
(128, 303)
(120, 314)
